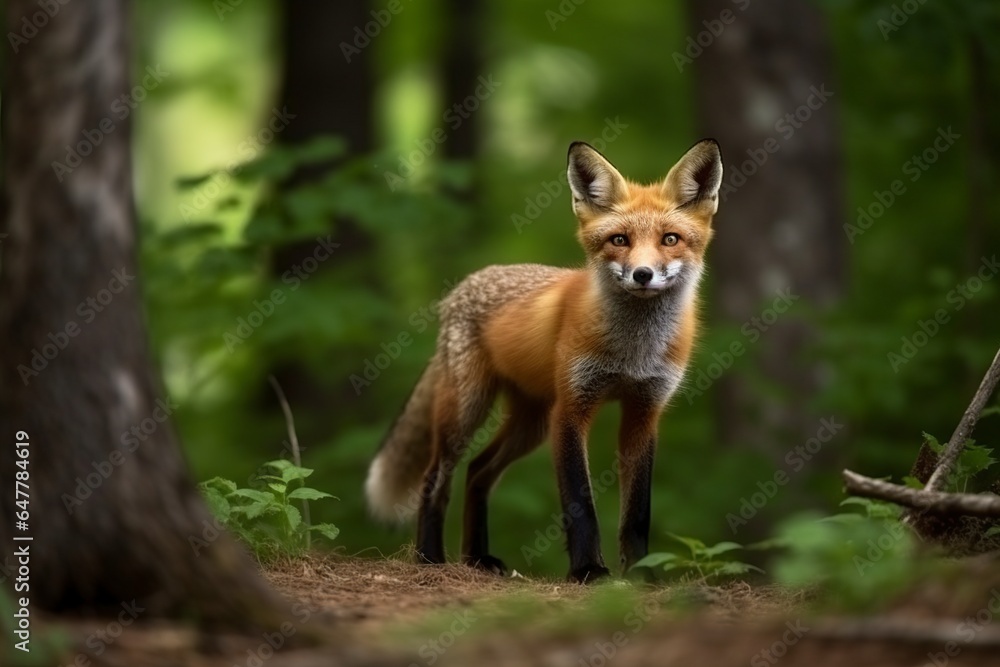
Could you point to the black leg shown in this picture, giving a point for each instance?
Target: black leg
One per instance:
(521, 434)
(636, 451)
(579, 516)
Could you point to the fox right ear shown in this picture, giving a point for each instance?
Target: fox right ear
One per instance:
(594, 182)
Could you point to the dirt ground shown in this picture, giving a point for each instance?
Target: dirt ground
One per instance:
(369, 612)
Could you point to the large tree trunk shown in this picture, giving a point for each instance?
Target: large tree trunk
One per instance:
(779, 224)
(112, 507)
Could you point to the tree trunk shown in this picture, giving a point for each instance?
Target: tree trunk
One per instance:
(333, 96)
(112, 508)
(781, 208)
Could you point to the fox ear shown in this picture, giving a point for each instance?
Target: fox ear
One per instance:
(695, 179)
(594, 181)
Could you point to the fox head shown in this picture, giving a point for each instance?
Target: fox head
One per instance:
(647, 240)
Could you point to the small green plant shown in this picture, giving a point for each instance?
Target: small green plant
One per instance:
(264, 516)
(855, 560)
(973, 460)
(701, 563)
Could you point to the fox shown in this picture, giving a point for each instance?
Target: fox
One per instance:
(557, 344)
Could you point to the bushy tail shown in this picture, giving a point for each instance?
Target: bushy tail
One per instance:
(395, 475)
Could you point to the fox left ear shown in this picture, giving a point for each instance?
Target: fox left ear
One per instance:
(696, 178)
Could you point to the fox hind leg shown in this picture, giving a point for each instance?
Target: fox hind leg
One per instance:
(523, 431)
(459, 407)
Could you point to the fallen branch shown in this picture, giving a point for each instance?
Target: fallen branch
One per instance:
(913, 630)
(938, 502)
(964, 428)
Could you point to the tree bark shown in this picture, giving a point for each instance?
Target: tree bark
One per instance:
(779, 222)
(112, 506)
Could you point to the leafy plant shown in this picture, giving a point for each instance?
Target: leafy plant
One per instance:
(263, 516)
(973, 460)
(702, 563)
(855, 560)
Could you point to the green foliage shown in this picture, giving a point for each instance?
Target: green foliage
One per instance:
(264, 516)
(973, 460)
(700, 563)
(855, 560)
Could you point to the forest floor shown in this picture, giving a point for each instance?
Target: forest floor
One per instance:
(375, 612)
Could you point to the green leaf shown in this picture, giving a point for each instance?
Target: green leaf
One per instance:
(976, 459)
(913, 482)
(721, 548)
(255, 510)
(653, 560)
(327, 530)
(995, 530)
(254, 494)
(305, 493)
(279, 464)
(933, 443)
(294, 517)
(696, 546)
(217, 503)
(277, 487)
(221, 483)
(294, 472)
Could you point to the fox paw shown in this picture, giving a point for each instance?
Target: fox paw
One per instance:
(487, 563)
(588, 574)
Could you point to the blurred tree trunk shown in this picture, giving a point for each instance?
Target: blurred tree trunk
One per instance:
(779, 225)
(330, 93)
(112, 507)
(461, 67)
(462, 64)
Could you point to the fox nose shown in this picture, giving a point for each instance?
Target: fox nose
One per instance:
(642, 275)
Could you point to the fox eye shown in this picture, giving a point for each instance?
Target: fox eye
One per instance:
(619, 240)
(671, 239)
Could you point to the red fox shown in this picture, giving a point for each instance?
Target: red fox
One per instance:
(558, 343)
